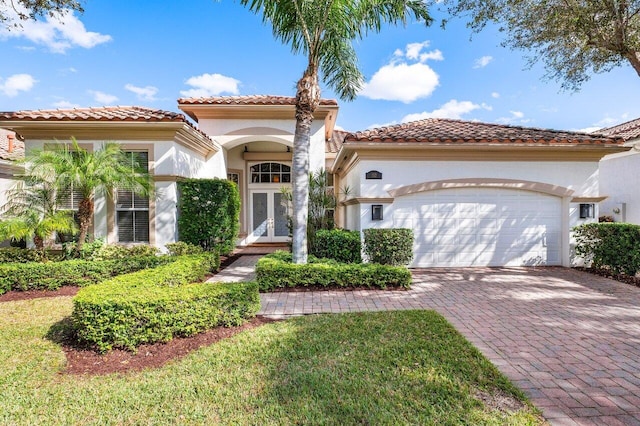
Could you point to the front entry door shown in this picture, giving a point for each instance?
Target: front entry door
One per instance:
(268, 217)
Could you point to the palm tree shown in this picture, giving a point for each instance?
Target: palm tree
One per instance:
(324, 31)
(71, 167)
(31, 213)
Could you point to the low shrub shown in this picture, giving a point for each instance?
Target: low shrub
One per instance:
(389, 246)
(338, 244)
(99, 250)
(53, 275)
(20, 255)
(159, 304)
(613, 246)
(181, 248)
(276, 271)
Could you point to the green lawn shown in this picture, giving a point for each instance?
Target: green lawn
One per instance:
(408, 367)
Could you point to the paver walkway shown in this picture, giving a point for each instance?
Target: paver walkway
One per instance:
(570, 340)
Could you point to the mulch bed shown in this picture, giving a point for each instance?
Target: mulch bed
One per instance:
(627, 279)
(86, 361)
(71, 290)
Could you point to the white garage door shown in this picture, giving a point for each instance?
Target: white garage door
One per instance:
(482, 227)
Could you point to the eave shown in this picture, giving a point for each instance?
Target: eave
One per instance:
(177, 131)
(352, 152)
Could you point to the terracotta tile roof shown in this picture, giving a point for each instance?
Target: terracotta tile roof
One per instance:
(627, 131)
(17, 150)
(248, 100)
(333, 144)
(447, 131)
(109, 113)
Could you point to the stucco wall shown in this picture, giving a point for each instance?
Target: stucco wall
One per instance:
(582, 177)
(230, 133)
(619, 181)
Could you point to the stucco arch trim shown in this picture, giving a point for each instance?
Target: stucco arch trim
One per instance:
(524, 185)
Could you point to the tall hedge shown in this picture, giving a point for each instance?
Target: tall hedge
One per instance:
(209, 213)
(614, 246)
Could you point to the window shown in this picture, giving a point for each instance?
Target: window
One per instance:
(69, 199)
(132, 210)
(234, 177)
(270, 173)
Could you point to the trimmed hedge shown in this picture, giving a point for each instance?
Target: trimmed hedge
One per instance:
(53, 275)
(20, 255)
(276, 271)
(614, 246)
(389, 246)
(209, 213)
(338, 244)
(159, 304)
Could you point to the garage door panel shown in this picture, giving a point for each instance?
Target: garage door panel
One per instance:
(482, 227)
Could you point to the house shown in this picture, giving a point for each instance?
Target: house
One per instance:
(475, 194)
(619, 174)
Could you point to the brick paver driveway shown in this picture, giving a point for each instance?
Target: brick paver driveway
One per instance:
(569, 339)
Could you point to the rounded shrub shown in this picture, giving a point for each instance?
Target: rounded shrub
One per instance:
(389, 246)
(156, 305)
(338, 244)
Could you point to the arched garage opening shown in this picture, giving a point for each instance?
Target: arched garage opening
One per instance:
(483, 222)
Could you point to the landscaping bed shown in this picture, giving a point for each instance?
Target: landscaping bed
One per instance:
(156, 305)
(277, 272)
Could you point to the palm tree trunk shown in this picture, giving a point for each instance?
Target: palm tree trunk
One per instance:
(307, 100)
(85, 213)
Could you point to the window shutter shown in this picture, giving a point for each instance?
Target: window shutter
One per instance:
(125, 226)
(141, 226)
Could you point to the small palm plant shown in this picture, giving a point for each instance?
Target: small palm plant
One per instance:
(31, 213)
(69, 166)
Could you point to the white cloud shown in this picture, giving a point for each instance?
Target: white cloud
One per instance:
(453, 109)
(591, 129)
(495, 95)
(146, 93)
(103, 98)
(482, 62)
(607, 121)
(206, 85)
(17, 83)
(517, 117)
(59, 31)
(402, 81)
(65, 105)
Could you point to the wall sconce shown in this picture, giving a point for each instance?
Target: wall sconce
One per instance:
(376, 212)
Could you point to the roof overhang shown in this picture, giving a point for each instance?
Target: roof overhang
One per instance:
(352, 152)
(328, 113)
(177, 131)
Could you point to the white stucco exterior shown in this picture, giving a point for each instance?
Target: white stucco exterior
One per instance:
(618, 181)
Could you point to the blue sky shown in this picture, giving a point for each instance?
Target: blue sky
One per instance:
(150, 53)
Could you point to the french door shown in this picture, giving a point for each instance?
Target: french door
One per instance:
(268, 216)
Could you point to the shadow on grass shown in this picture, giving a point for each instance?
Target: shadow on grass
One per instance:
(388, 368)
(62, 333)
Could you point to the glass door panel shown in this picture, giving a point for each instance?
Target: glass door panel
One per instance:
(280, 228)
(260, 214)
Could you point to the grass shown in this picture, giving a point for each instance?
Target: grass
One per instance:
(408, 367)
